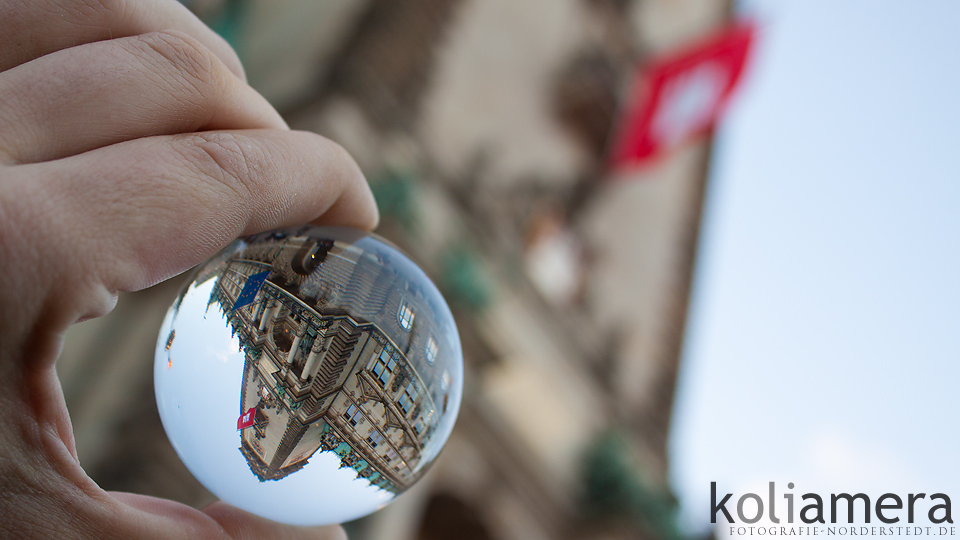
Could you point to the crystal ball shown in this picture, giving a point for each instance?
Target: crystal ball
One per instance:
(308, 375)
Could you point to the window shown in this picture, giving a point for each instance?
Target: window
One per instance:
(404, 403)
(378, 368)
(384, 366)
(353, 415)
(405, 315)
(375, 439)
(389, 455)
(407, 398)
(419, 426)
(431, 349)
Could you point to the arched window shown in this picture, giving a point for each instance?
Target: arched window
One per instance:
(405, 315)
(431, 349)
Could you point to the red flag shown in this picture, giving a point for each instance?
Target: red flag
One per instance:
(246, 419)
(679, 96)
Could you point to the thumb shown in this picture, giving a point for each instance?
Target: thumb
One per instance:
(242, 525)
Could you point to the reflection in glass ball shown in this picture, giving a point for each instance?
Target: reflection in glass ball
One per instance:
(308, 375)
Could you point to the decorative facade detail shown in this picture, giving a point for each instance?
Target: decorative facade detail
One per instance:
(322, 374)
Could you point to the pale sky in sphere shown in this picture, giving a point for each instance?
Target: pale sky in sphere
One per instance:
(824, 332)
(198, 396)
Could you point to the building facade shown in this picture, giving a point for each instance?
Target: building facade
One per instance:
(321, 372)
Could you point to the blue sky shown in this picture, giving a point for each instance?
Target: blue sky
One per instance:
(824, 335)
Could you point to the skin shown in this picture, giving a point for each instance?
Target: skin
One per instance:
(131, 148)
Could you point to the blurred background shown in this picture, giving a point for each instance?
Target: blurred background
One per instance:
(824, 322)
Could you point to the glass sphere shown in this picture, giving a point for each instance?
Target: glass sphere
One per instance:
(308, 375)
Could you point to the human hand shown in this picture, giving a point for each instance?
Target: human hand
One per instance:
(130, 149)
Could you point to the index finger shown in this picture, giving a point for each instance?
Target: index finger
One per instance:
(33, 28)
(145, 210)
